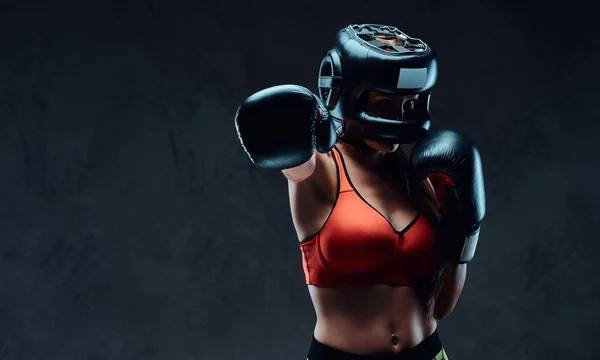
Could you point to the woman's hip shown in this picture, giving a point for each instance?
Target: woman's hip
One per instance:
(431, 348)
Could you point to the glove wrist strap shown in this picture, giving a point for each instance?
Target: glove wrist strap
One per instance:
(459, 246)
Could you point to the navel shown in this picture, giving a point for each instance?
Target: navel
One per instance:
(394, 339)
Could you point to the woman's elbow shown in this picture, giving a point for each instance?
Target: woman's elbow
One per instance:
(442, 311)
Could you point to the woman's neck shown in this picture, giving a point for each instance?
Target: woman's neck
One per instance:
(362, 153)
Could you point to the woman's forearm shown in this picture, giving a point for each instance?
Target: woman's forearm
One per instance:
(454, 280)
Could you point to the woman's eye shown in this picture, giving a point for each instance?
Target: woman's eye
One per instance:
(384, 108)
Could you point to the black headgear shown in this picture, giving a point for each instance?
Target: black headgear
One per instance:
(358, 62)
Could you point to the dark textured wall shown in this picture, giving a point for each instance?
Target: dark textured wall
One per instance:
(134, 227)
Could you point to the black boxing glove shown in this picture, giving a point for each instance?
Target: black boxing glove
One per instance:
(452, 163)
(281, 126)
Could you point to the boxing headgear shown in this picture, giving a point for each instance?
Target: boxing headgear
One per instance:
(358, 63)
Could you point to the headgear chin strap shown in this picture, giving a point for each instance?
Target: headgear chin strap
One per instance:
(358, 63)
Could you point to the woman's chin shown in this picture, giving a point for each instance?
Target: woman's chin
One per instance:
(381, 146)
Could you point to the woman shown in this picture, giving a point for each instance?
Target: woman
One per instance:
(369, 229)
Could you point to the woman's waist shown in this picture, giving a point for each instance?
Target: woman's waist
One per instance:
(377, 335)
(391, 317)
(369, 304)
(371, 315)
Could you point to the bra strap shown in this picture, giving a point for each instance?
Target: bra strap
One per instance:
(341, 170)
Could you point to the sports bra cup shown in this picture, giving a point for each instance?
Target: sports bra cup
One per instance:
(358, 246)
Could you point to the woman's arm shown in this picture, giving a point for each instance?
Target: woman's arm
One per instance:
(454, 281)
(301, 172)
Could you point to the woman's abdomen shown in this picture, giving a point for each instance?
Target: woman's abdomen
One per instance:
(362, 319)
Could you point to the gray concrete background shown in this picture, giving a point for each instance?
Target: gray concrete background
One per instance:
(132, 225)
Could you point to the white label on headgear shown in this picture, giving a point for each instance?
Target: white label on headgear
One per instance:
(412, 78)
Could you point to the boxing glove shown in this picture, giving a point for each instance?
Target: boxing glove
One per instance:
(453, 164)
(280, 127)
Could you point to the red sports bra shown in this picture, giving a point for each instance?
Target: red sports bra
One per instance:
(358, 246)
